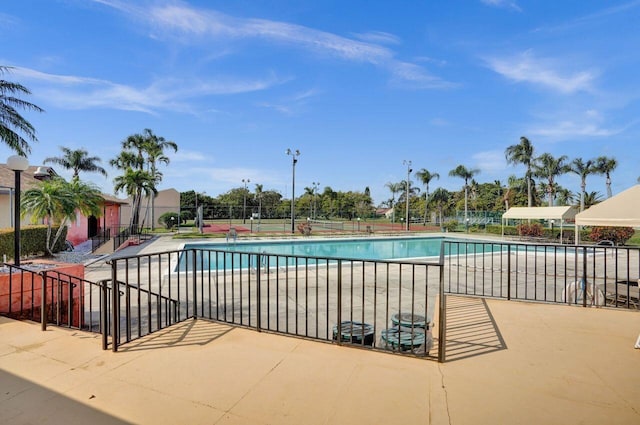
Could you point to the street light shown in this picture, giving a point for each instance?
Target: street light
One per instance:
(18, 164)
(409, 170)
(315, 198)
(244, 205)
(294, 156)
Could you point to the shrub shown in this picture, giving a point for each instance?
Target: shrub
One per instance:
(166, 219)
(33, 241)
(531, 230)
(304, 228)
(618, 235)
(451, 225)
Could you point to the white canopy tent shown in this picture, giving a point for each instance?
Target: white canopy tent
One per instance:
(540, 213)
(622, 209)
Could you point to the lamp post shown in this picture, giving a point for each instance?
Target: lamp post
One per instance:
(244, 204)
(408, 164)
(294, 156)
(18, 164)
(315, 198)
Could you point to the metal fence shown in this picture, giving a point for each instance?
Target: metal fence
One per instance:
(583, 275)
(384, 305)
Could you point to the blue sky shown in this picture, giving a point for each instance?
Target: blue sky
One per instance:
(357, 86)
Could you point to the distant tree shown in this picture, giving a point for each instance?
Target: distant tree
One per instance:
(591, 199)
(154, 147)
(77, 160)
(12, 124)
(393, 188)
(425, 176)
(440, 198)
(606, 166)
(583, 169)
(522, 153)
(548, 167)
(56, 201)
(465, 174)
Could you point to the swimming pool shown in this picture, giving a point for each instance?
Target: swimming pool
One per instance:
(359, 249)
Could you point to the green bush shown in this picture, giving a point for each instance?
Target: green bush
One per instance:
(33, 241)
(451, 225)
(618, 235)
(531, 230)
(165, 219)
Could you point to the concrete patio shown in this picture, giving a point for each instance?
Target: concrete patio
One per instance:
(507, 362)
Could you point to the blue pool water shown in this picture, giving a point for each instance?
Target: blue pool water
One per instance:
(365, 249)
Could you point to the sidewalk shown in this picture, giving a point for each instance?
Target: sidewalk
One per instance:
(508, 362)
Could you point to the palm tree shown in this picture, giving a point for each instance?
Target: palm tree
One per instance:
(394, 188)
(583, 169)
(549, 167)
(11, 122)
(522, 153)
(466, 174)
(77, 160)
(136, 184)
(425, 176)
(154, 147)
(592, 198)
(606, 165)
(440, 198)
(57, 201)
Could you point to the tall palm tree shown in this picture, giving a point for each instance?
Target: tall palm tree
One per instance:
(394, 188)
(440, 198)
(77, 160)
(136, 184)
(57, 201)
(154, 147)
(592, 198)
(465, 174)
(425, 176)
(606, 166)
(12, 124)
(548, 167)
(583, 169)
(522, 153)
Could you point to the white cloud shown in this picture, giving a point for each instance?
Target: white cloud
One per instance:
(189, 24)
(507, 4)
(527, 68)
(490, 161)
(585, 124)
(74, 92)
(378, 37)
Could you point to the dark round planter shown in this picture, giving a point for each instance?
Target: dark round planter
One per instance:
(355, 333)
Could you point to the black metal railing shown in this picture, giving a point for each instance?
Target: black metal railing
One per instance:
(375, 304)
(581, 275)
(100, 239)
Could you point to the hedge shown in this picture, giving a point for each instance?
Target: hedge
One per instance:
(33, 240)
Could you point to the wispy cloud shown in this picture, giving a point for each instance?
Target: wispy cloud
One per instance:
(506, 4)
(490, 161)
(7, 21)
(527, 68)
(594, 17)
(292, 104)
(188, 24)
(74, 92)
(378, 37)
(586, 124)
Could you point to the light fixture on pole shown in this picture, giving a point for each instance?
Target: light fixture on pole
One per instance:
(244, 204)
(315, 198)
(409, 170)
(294, 156)
(18, 164)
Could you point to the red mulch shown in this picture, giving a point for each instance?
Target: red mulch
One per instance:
(222, 228)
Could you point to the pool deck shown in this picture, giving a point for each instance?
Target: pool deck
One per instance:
(508, 362)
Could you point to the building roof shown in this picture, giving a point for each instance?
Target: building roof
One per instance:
(28, 178)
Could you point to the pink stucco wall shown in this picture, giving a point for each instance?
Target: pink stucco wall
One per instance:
(78, 231)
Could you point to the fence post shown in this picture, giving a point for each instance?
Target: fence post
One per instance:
(115, 307)
(195, 292)
(442, 310)
(258, 293)
(509, 271)
(584, 276)
(104, 315)
(43, 301)
(339, 324)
